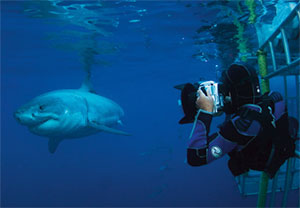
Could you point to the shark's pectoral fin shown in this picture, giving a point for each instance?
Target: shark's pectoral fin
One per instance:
(53, 144)
(104, 128)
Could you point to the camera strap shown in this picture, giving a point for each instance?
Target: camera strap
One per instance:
(194, 124)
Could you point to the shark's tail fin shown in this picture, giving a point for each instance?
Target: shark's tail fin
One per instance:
(88, 60)
(87, 85)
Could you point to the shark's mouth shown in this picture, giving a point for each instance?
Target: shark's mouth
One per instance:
(45, 126)
(44, 118)
(44, 121)
(37, 125)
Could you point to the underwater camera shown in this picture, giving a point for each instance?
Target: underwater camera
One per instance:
(189, 96)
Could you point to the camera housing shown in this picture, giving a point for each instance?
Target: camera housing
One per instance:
(189, 95)
(212, 88)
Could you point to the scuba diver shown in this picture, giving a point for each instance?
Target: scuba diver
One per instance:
(255, 133)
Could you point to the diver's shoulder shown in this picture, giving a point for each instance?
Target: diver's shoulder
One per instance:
(246, 107)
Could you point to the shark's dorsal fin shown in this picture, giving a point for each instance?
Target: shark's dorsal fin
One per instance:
(87, 85)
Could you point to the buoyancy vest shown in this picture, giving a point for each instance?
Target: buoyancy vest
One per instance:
(270, 148)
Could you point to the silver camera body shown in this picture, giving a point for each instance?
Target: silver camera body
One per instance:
(212, 88)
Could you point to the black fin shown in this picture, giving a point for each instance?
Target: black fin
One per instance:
(53, 144)
(186, 119)
(179, 87)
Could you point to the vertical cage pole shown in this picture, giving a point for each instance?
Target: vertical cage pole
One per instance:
(286, 47)
(274, 187)
(285, 90)
(297, 96)
(265, 87)
(288, 178)
(289, 161)
(298, 15)
(263, 70)
(243, 184)
(275, 179)
(272, 56)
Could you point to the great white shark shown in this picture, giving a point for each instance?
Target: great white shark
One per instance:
(70, 113)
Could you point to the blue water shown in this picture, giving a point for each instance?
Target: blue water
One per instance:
(137, 52)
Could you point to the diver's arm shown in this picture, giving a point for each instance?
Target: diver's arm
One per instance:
(200, 150)
(279, 105)
(233, 133)
(204, 149)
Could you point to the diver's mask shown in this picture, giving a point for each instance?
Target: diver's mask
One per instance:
(189, 96)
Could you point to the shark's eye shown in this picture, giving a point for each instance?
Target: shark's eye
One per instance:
(42, 107)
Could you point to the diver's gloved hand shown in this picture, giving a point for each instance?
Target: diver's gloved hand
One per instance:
(205, 102)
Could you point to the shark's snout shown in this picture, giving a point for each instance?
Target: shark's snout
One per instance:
(24, 118)
(20, 117)
(17, 116)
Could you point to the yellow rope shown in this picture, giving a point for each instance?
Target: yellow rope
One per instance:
(251, 7)
(263, 70)
(265, 87)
